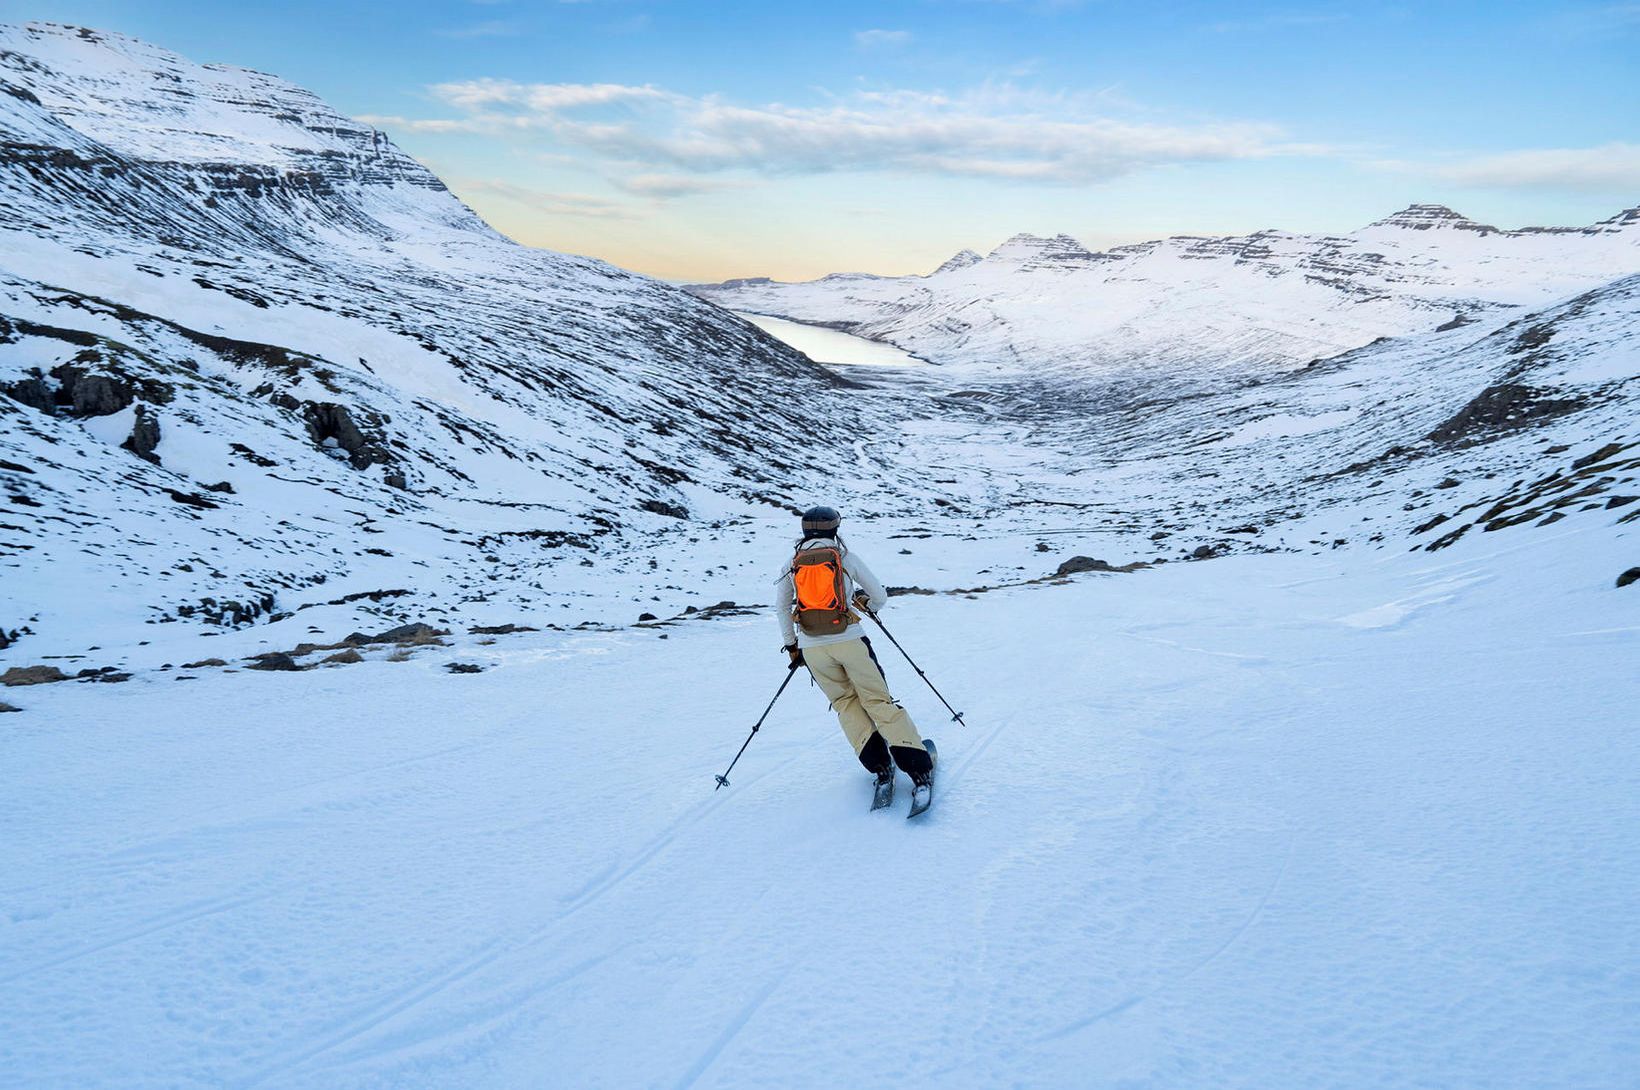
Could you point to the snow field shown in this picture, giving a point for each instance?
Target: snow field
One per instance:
(1203, 830)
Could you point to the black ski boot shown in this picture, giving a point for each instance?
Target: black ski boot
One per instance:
(922, 792)
(883, 794)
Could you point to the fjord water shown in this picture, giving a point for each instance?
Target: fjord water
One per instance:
(832, 346)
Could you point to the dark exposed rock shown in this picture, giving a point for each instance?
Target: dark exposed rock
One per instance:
(32, 675)
(896, 592)
(1620, 501)
(1204, 552)
(202, 663)
(670, 510)
(4, 707)
(500, 629)
(1504, 407)
(144, 436)
(1450, 482)
(189, 499)
(87, 394)
(327, 420)
(228, 613)
(642, 617)
(1081, 564)
(345, 657)
(273, 660)
(33, 392)
(464, 668)
(220, 486)
(416, 632)
(1610, 450)
(1630, 576)
(1431, 524)
(251, 456)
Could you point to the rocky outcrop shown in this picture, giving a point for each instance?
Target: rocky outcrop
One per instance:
(144, 437)
(1503, 407)
(413, 633)
(1078, 564)
(87, 394)
(670, 510)
(32, 675)
(332, 426)
(273, 660)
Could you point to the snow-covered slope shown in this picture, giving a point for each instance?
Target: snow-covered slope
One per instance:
(308, 342)
(1270, 821)
(1183, 308)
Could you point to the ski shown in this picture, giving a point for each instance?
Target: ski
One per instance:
(882, 796)
(923, 797)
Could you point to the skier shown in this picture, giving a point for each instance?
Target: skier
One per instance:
(821, 631)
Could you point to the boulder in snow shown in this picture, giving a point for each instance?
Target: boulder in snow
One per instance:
(32, 675)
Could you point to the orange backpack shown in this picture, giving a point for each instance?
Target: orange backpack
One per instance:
(821, 606)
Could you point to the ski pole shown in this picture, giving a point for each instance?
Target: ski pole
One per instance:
(723, 780)
(956, 716)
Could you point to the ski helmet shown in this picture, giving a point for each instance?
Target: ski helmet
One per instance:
(821, 519)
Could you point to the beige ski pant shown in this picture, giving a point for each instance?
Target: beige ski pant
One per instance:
(853, 682)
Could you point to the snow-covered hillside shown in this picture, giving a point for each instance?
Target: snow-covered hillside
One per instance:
(1180, 309)
(242, 336)
(260, 369)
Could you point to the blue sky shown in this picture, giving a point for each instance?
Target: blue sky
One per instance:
(701, 141)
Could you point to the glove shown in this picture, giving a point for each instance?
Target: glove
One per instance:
(796, 656)
(862, 602)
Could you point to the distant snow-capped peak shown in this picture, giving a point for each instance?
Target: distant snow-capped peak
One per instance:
(962, 259)
(1425, 217)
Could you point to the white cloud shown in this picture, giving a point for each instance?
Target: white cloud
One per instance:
(543, 99)
(662, 186)
(557, 204)
(1608, 168)
(993, 131)
(877, 39)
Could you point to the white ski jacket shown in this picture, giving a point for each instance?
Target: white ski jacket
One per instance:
(855, 576)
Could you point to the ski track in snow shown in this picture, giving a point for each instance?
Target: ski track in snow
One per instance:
(1196, 844)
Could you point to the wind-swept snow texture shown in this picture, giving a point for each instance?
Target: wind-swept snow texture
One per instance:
(1269, 821)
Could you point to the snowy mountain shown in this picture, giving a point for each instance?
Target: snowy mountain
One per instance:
(262, 371)
(1182, 308)
(258, 358)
